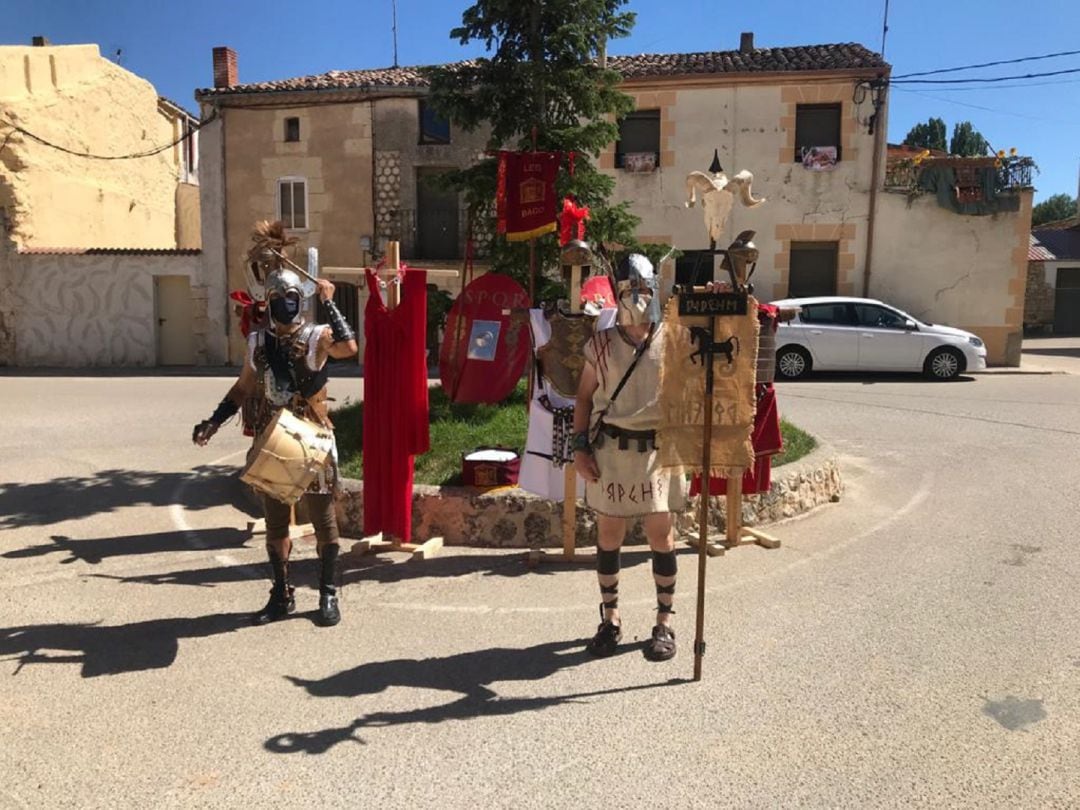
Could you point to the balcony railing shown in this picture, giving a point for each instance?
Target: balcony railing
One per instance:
(1010, 173)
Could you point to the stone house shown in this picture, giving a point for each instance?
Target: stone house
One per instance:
(808, 121)
(99, 259)
(1052, 298)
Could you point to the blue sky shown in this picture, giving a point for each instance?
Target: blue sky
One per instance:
(170, 45)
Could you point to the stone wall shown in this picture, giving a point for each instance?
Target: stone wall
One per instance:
(512, 518)
(1038, 300)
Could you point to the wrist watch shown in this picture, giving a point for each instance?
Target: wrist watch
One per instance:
(581, 442)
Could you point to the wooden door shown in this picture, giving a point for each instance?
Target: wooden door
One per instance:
(172, 307)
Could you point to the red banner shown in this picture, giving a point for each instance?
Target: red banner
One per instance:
(525, 201)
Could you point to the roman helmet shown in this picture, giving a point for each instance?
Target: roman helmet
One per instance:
(636, 291)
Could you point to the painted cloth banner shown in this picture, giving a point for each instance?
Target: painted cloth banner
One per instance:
(525, 200)
(680, 432)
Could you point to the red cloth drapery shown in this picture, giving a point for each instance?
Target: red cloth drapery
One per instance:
(525, 198)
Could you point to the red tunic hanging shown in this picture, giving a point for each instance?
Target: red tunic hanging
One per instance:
(395, 403)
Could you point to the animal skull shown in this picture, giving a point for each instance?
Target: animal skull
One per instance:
(718, 197)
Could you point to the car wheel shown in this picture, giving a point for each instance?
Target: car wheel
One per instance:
(943, 364)
(792, 363)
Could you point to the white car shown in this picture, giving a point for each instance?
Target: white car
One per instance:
(833, 333)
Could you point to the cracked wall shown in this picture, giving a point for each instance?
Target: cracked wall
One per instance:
(752, 125)
(970, 272)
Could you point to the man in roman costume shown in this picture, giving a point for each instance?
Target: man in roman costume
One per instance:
(285, 367)
(615, 418)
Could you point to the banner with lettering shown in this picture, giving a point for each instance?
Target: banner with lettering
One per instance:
(734, 346)
(525, 200)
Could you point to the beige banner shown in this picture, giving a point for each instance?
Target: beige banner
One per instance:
(681, 432)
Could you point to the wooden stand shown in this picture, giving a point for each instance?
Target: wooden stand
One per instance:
(569, 517)
(735, 533)
(384, 542)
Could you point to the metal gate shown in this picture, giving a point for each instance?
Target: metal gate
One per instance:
(1067, 301)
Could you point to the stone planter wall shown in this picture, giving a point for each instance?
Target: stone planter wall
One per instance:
(512, 518)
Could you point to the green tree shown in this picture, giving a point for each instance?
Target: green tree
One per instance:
(968, 141)
(539, 86)
(930, 135)
(1053, 209)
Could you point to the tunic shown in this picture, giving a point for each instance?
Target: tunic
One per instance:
(395, 403)
(632, 483)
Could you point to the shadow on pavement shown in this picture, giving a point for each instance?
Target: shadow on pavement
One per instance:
(385, 569)
(468, 674)
(111, 650)
(72, 498)
(864, 378)
(1073, 351)
(93, 551)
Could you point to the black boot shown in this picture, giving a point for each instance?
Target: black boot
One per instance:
(329, 612)
(282, 601)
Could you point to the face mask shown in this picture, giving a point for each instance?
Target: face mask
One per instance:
(631, 313)
(285, 309)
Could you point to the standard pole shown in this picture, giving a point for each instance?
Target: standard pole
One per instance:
(703, 517)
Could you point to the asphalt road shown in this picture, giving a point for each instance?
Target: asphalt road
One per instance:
(913, 645)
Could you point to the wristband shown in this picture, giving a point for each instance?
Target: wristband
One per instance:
(340, 330)
(580, 441)
(225, 410)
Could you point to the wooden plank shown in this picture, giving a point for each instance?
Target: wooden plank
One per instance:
(712, 549)
(761, 538)
(426, 550)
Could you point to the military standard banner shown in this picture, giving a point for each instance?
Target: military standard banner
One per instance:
(733, 347)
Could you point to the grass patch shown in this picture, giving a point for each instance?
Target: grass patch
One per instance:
(457, 429)
(797, 443)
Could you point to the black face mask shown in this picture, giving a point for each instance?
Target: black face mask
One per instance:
(284, 309)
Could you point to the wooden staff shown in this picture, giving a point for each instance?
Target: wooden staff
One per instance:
(703, 517)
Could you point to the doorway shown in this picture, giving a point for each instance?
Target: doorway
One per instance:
(172, 309)
(436, 217)
(1067, 301)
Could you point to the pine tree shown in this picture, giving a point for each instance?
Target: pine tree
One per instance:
(968, 141)
(930, 135)
(1053, 209)
(540, 87)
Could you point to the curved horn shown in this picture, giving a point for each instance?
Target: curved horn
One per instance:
(700, 181)
(744, 180)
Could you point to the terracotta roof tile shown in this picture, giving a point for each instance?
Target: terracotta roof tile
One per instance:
(1037, 253)
(802, 58)
(107, 251)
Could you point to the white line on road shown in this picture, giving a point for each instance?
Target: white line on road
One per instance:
(176, 510)
(914, 502)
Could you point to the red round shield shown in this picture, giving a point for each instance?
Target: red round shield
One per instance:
(486, 344)
(597, 291)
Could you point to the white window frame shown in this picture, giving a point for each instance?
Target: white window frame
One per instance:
(290, 225)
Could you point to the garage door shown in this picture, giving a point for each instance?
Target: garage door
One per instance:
(1067, 302)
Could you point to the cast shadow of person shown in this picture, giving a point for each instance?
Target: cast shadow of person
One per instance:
(94, 550)
(44, 503)
(468, 674)
(112, 649)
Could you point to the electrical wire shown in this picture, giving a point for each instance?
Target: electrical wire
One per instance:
(989, 109)
(988, 64)
(986, 81)
(134, 155)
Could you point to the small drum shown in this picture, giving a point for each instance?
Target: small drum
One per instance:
(287, 456)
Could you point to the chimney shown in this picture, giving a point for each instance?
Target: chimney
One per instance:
(39, 42)
(225, 72)
(746, 42)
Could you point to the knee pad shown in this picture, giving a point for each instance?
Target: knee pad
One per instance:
(664, 564)
(607, 562)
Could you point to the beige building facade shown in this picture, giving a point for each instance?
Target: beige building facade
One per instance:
(807, 121)
(100, 259)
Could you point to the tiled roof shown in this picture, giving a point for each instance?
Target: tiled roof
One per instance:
(1062, 243)
(802, 58)
(1038, 253)
(107, 251)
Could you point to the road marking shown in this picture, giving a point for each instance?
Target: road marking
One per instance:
(926, 484)
(176, 510)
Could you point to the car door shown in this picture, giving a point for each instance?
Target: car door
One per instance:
(830, 330)
(886, 341)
